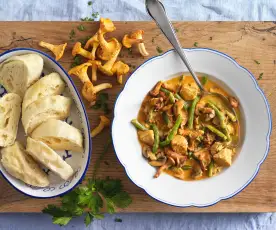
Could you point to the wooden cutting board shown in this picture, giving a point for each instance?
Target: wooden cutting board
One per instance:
(244, 41)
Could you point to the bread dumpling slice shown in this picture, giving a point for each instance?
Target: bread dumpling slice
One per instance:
(17, 73)
(49, 85)
(52, 107)
(21, 165)
(49, 158)
(59, 135)
(10, 109)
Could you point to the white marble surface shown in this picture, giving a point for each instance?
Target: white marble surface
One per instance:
(13, 10)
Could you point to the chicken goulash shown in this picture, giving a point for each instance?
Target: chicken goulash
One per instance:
(185, 135)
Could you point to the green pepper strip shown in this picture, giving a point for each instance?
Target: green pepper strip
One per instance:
(166, 118)
(219, 114)
(217, 132)
(186, 167)
(178, 97)
(138, 125)
(156, 138)
(192, 113)
(168, 92)
(231, 116)
(172, 132)
(210, 169)
(204, 80)
(165, 91)
(171, 97)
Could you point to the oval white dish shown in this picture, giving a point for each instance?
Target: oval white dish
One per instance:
(256, 122)
(78, 118)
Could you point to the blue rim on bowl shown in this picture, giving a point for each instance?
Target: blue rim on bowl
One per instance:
(267, 136)
(85, 115)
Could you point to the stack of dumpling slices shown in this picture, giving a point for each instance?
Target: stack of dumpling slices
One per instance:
(43, 111)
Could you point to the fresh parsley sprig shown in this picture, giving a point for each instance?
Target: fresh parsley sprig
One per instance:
(89, 199)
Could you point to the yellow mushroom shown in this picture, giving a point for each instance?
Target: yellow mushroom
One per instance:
(81, 72)
(95, 65)
(89, 91)
(94, 42)
(58, 50)
(121, 69)
(77, 49)
(128, 42)
(104, 122)
(141, 46)
(106, 25)
(107, 67)
(107, 48)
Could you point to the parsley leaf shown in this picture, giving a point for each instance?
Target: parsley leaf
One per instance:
(72, 35)
(77, 61)
(159, 50)
(81, 27)
(258, 63)
(101, 103)
(196, 44)
(260, 76)
(88, 219)
(62, 221)
(121, 200)
(89, 3)
(110, 206)
(84, 40)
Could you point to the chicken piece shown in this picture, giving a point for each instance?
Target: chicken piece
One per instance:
(230, 129)
(178, 110)
(189, 91)
(204, 157)
(156, 89)
(209, 138)
(216, 169)
(193, 134)
(216, 147)
(223, 157)
(179, 144)
(146, 137)
(178, 172)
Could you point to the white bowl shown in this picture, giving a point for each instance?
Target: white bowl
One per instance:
(78, 118)
(256, 120)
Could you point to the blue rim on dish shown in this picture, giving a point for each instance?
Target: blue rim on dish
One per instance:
(85, 115)
(267, 136)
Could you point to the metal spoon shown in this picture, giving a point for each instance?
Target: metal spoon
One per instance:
(157, 11)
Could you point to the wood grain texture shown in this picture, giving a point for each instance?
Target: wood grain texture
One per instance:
(244, 41)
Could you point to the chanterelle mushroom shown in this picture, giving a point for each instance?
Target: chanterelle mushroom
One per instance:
(77, 49)
(141, 46)
(81, 72)
(107, 48)
(128, 42)
(94, 42)
(104, 122)
(107, 67)
(58, 50)
(121, 69)
(95, 65)
(89, 91)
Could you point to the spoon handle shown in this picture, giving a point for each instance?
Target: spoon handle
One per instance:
(157, 11)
